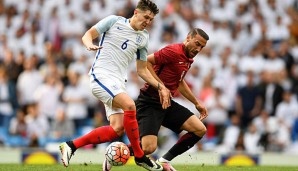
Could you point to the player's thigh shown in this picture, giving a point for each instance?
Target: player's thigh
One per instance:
(123, 101)
(176, 116)
(149, 117)
(193, 124)
(105, 90)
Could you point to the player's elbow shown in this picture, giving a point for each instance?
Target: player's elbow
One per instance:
(140, 72)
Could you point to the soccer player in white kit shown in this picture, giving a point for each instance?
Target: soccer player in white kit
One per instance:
(121, 41)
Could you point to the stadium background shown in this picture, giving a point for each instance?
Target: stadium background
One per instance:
(247, 76)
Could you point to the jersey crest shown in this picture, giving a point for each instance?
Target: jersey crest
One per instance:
(139, 39)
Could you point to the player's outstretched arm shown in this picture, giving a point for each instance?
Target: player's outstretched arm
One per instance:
(187, 93)
(164, 93)
(88, 39)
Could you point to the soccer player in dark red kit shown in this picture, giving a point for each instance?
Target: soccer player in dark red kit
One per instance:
(169, 65)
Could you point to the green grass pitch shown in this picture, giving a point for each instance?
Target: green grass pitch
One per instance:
(95, 167)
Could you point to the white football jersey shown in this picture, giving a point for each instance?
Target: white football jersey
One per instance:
(121, 44)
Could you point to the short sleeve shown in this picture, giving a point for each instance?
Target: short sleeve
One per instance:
(106, 23)
(142, 54)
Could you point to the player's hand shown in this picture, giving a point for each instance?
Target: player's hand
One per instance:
(165, 97)
(93, 47)
(203, 111)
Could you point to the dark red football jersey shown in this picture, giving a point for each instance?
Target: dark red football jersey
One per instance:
(171, 66)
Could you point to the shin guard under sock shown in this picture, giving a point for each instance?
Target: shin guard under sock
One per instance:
(132, 132)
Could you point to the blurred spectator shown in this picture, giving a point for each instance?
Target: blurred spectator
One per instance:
(69, 35)
(226, 76)
(48, 96)
(59, 126)
(75, 103)
(18, 126)
(18, 130)
(38, 126)
(217, 105)
(271, 92)
(52, 67)
(287, 57)
(287, 110)
(273, 63)
(274, 136)
(248, 103)
(194, 79)
(294, 131)
(12, 67)
(52, 30)
(29, 80)
(231, 135)
(207, 89)
(33, 41)
(253, 61)
(251, 140)
(277, 31)
(8, 99)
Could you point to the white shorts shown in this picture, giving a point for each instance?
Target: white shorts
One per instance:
(105, 89)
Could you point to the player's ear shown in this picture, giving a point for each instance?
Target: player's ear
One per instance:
(135, 12)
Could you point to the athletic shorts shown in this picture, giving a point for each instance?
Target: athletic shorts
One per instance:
(151, 116)
(105, 89)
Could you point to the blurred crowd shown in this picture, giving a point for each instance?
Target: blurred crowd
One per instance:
(247, 75)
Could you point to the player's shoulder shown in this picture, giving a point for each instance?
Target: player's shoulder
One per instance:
(116, 18)
(176, 47)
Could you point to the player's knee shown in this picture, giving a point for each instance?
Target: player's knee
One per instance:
(149, 148)
(201, 132)
(119, 129)
(130, 106)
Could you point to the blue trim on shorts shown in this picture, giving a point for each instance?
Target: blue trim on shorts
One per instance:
(104, 87)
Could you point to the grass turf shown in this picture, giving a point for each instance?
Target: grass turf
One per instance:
(95, 167)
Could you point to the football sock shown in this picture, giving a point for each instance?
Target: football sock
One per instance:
(132, 132)
(163, 160)
(131, 150)
(96, 136)
(72, 146)
(186, 142)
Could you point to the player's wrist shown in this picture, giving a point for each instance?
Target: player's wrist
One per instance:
(158, 86)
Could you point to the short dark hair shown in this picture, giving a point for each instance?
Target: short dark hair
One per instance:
(199, 31)
(148, 5)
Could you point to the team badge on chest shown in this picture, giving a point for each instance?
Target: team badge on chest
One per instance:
(139, 39)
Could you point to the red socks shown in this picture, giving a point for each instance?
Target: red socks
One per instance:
(132, 131)
(96, 136)
(107, 134)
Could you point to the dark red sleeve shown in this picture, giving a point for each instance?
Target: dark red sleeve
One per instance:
(164, 55)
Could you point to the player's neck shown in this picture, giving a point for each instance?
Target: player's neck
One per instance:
(132, 23)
